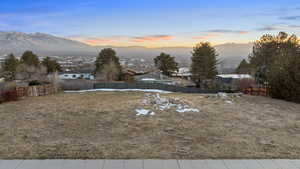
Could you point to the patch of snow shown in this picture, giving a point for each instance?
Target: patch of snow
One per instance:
(120, 90)
(144, 112)
(162, 104)
(152, 114)
(229, 102)
(187, 110)
(148, 79)
(222, 95)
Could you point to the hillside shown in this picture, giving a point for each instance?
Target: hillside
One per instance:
(42, 44)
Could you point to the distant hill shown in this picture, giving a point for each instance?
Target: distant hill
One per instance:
(42, 44)
(48, 45)
(230, 53)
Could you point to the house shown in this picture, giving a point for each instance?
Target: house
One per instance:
(78, 74)
(229, 78)
(232, 81)
(183, 72)
(154, 77)
(128, 75)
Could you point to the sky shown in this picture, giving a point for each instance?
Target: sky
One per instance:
(152, 23)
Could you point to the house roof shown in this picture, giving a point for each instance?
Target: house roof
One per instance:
(79, 71)
(129, 71)
(152, 75)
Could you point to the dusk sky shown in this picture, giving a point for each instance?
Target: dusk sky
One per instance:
(152, 23)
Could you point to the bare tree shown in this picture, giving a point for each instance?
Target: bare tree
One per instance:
(31, 72)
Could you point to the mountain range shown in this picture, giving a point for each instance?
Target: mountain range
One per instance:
(48, 45)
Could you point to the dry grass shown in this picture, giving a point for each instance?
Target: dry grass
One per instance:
(104, 125)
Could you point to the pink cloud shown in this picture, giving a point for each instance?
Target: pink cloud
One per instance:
(243, 32)
(152, 38)
(207, 36)
(97, 41)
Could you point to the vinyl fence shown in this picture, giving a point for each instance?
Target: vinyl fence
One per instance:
(171, 88)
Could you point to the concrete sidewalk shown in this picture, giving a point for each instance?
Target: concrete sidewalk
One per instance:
(150, 164)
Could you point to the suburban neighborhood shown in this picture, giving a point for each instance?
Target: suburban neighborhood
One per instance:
(149, 84)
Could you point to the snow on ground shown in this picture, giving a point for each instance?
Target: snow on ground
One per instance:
(120, 90)
(188, 110)
(162, 104)
(144, 112)
(227, 97)
(229, 101)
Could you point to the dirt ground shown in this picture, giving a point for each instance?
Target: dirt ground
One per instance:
(105, 125)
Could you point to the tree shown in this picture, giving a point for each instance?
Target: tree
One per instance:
(30, 58)
(51, 65)
(244, 67)
(30, 73)
(9, 67)
(204, 63)
(264, 53)
(277, 62)
(166, 64)
(108, 67)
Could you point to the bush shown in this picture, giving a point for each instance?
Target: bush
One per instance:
(35, 83)
(10, 96)
(8, 92)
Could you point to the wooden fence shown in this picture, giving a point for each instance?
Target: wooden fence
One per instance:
(40, 90)
(260, 91)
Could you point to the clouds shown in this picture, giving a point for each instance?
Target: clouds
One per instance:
(216, 33)
(282, 27)
(296, 17)
(207, 36)
(268, 28)
(97, 40)
(152, 38)
(122, 39)
(228, 31)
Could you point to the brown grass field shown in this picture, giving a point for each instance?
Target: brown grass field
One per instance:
(104, 125)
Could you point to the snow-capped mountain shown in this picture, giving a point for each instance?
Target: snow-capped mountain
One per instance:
(42, 44)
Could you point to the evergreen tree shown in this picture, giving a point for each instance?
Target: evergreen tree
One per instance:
(166, 64)
(51, 65)
(277, 62)
(9, 67)
(244, 67)
(30, 59)
(204, 63)
(108, 67)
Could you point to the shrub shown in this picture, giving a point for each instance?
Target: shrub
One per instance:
(8, 92)
(35, 83)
